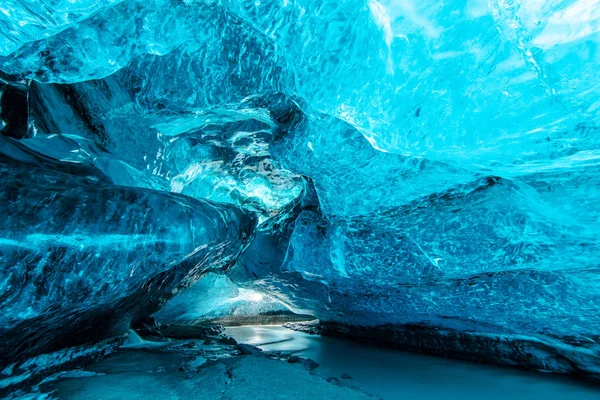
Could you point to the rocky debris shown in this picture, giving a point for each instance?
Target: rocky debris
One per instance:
(247, 349)
(227, 340)
(294, 359)
(206, 367)
(216, 371)
(307, 363)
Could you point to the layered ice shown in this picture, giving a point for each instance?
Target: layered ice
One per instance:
(83, 258)
(426, 163)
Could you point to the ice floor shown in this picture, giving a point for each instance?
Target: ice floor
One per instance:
(204, 368)
(399, 375)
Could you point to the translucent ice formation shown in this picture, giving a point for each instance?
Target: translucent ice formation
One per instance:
(427, 163)
(82, 258)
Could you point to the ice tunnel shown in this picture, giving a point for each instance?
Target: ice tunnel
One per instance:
(418, 175)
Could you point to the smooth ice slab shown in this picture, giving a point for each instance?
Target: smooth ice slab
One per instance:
(82, 259)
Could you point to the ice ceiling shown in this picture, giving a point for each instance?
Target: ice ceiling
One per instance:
(366, 162)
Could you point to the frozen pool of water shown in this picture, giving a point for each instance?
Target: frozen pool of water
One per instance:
(394, 374)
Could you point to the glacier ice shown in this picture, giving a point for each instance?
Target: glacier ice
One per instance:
(82, 257)
(407, 163)
(214, 297)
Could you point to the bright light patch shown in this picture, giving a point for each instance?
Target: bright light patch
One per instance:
(250, 295)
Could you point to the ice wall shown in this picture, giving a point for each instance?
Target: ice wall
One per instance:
(409, 162)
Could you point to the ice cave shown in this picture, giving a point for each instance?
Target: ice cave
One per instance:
(300, 199)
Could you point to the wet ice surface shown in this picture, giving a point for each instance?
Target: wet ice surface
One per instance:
(196, 369)
(394, 374)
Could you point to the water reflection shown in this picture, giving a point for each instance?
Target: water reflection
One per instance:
(396, 375)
